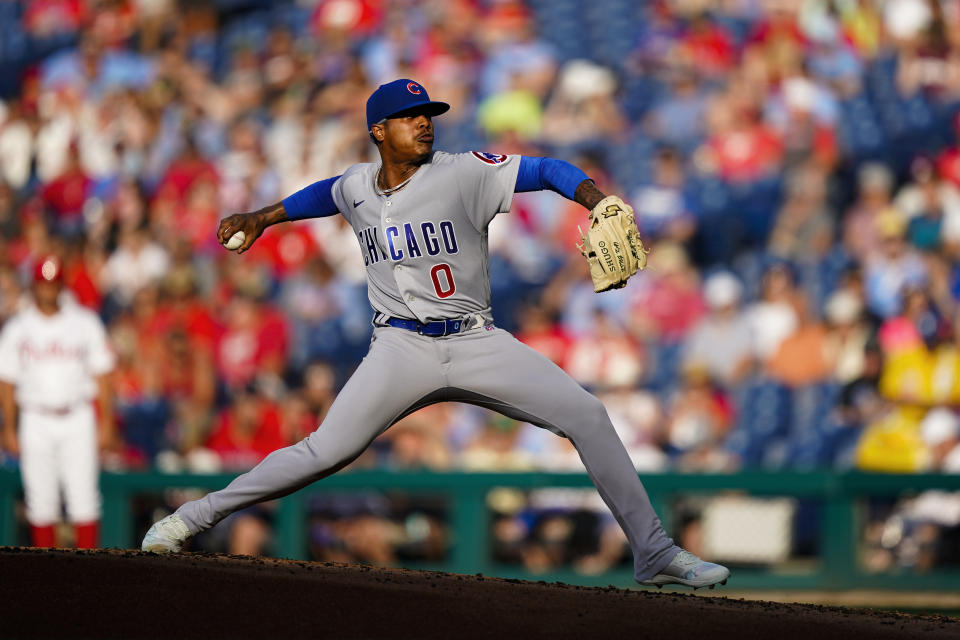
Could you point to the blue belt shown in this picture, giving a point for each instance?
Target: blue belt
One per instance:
(433, 329)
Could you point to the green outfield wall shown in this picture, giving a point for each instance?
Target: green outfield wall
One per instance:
(841, 497)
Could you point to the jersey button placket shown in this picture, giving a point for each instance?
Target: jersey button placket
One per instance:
(398, 269)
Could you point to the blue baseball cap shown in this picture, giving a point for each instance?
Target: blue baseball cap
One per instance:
(401, 95)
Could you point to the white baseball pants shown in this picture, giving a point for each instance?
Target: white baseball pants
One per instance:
(59, 452)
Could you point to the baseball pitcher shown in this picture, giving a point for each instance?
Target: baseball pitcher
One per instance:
(420, 217)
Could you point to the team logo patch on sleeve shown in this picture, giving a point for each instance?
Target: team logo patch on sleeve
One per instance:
(489, 158)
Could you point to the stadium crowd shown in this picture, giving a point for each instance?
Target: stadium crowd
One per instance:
(794, 166)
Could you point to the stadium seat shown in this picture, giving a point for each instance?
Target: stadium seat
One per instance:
(763, 423)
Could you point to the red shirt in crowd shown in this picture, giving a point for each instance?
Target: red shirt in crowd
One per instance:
(256, 343)
(183, 172)
(671, 310)
(286, 249)
(550, 340)
(67, 193)
(242, 442)
(747, 153)
(709, 46)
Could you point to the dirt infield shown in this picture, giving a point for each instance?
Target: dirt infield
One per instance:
(129, 594)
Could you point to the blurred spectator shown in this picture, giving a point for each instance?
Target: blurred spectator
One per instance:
(495, 447)
(700, 416)
(848, 342)
(516, 56)
(607, 357)
(804, 226)
(297, 421)
(862, 222)
(11, 296)
(940, 430)
(516, 113)
(660, 206)
(931, 207)
(776, 315)
(582, 107)
(419, 441)
(833, 55)
(143, 410)
(804, 116)
(319, 389)
(314, 301)
(803, 357)
(910, 371)
(893, 444)
(705, 43)
(17, 133)
(671, 303)
(253, 343)
(538, 331)
(679, 118)
(892, 268)
(246, 182)
(247, 431)
(287, 250)
(863, 25)
(66, 195)
(739, 146)
(50, 17)
(722, 342)
(638, 418)
(9, 224)
(948, 161)
(137, 262)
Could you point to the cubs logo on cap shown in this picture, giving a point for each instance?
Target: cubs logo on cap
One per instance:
(394, 98)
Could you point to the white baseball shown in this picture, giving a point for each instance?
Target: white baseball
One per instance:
(235, 241)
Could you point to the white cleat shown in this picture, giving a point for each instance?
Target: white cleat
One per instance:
(166, 536)
(689, 570)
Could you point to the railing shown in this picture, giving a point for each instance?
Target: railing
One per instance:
(839, 493)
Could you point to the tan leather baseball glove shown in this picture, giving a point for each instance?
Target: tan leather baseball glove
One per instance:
(612, 244)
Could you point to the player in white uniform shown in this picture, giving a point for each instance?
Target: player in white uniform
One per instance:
(54, 360)
(421, 217)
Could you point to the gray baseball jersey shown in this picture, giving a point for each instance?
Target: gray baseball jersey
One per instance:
(426, 254)
(425, 247)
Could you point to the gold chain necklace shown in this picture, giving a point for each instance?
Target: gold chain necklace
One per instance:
(387, 192)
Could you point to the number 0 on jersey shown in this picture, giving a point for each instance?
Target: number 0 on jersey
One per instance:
(444, 290)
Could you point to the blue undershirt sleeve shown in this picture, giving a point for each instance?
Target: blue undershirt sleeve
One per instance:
(548, 173)
(315, 201)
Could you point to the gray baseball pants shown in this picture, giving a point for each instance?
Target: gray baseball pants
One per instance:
(486, 366)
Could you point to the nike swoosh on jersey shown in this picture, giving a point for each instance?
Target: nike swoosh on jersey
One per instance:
(357, 204)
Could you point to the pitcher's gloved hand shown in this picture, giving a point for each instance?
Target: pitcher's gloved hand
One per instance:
(612, 244)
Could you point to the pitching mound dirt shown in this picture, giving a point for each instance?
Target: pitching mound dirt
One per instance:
(129, 594)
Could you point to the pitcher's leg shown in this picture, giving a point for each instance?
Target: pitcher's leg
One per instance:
(520, 382)
(396, 373)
